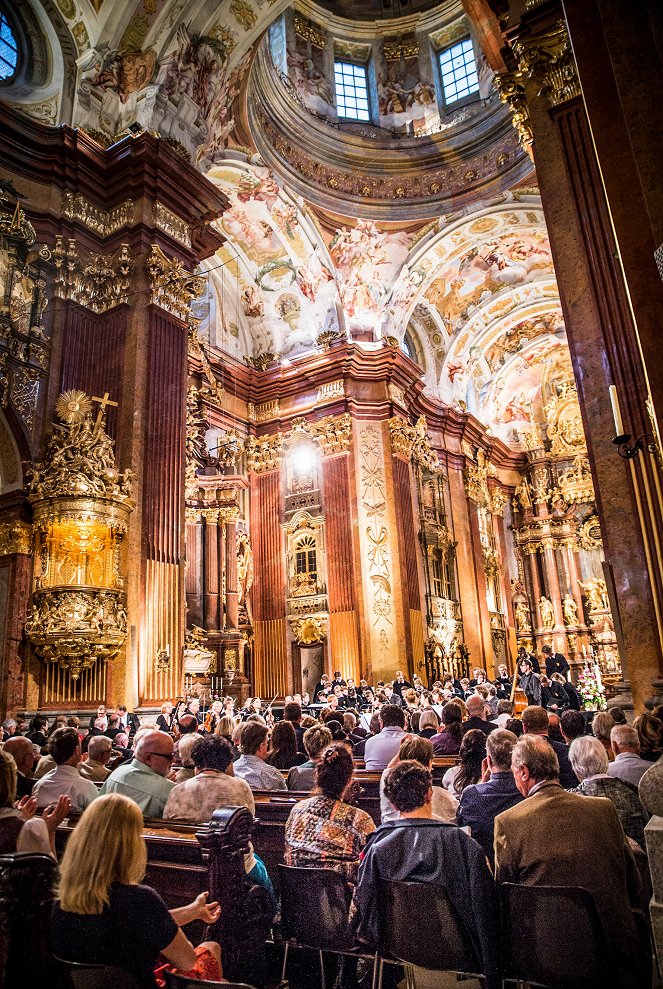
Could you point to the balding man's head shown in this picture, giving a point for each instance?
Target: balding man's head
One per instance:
(23, 752)
(155, 750)
(476, 706)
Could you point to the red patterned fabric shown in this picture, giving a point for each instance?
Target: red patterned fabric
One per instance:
(206, 968)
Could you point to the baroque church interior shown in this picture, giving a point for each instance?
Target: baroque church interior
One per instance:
(330, 348)
(319, 323)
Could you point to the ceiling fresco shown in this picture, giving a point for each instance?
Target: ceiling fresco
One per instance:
(473, 287)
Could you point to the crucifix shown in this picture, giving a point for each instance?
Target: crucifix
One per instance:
(103, 402)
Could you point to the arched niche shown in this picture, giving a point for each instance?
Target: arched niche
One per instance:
(11, 471)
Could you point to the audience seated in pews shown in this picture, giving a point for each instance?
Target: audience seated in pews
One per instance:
(324, 831)
(103, 914)
(481, 802)
(380, 749)
(36, 732)
(23, 752)
(420, 750)
(535, 722)
(316, 740)
(251, 765)
(65, 748)
(590, 764)
(469, 770)
(95, 767)
(555, 838)
(225, 729)
(212, 787)
(449, 737)
(628, 765)
(418, 848)
(282, 753)
(20, 829)
(184, 750)
(144, 779)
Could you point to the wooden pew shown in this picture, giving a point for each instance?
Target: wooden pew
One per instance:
(184, 860)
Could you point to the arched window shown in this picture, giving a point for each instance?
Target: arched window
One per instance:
(410, 348)
(8, 50)
(306, 557)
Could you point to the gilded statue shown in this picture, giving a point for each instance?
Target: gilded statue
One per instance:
(547, 612)
(569, 610)
(597, 594)
(522, 496)
(522, 616)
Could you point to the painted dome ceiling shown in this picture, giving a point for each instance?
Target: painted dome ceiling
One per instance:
(461, 275)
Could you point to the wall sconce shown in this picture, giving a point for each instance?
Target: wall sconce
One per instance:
(625, 448)
(628, 450)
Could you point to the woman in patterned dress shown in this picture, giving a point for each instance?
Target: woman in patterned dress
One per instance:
(324, 831)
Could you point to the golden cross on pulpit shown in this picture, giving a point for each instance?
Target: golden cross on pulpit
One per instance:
(103, 402)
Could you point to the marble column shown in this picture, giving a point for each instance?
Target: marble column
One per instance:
(212, 596)
(600, 328)
(232, 590)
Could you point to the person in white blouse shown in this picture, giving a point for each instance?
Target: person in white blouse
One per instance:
(65, 747)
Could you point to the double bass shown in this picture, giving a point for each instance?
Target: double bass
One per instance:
(518, 697)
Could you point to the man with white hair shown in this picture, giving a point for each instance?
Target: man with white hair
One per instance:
(144, 779)
(628, 766)
(98, 753)
(556, 838)
(590, 764)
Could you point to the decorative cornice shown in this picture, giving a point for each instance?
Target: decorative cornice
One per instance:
(173, 287)
(548, 58)
(330, 390)
(395, 50)
(264, 412)
(100, 221)
(98, 282)
(309, 32)
(172, 224)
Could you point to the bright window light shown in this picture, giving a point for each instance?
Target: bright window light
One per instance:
(351, 91)
(459, 71)
(8, 49)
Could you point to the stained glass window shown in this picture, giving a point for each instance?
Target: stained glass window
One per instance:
(8, 49)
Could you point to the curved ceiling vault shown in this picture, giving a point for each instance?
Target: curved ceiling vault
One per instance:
(471, 285)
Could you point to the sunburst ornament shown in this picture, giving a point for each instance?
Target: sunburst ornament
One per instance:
(73, 406)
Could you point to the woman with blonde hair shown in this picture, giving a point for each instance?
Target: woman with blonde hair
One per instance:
(103, 914)
(226, 729)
